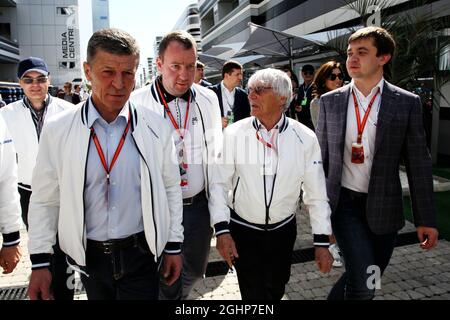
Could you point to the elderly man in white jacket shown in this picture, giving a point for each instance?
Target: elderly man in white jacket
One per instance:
(267, 160)
(10, 252)
(106, 179)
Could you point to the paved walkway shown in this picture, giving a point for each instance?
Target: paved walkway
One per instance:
(412, 273)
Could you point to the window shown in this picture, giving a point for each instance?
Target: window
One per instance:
(64, 11)
(5, 30)
(67, 64)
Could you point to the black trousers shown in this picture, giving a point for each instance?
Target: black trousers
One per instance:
(128, 273)
(62, 276)
(24, 203)
(362, 249)
(264, 264)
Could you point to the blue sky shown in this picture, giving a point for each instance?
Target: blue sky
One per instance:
(143, 19)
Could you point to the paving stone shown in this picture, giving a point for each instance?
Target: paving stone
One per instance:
(414, 284)
(402, 295)
(404, 285)
(389, 297)
(308, 294)
(415, 295)
(444, 286)
(306, 284)
(391, 288)
(425, 291)
(437, 290)
(295, 296)
(319, 292)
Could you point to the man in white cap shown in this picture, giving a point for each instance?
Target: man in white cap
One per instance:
(25, 119)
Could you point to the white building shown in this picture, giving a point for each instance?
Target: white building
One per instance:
(41, 28)
(189, 21)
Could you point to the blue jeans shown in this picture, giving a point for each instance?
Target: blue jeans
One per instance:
(195, 251)
(361, 248)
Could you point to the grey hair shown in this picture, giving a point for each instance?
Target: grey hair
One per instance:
(113, 41)
(279, 81)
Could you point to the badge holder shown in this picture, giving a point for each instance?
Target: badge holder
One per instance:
(357, 152)
(304, 101)
(183, 168)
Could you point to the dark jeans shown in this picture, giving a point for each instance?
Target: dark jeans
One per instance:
(362, 249)
(129, 273)
(264, 264)
(24, 203)
(196, 244)
(62, 275)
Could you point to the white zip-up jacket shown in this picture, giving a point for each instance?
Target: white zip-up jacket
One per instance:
(18, 119)
(242, 181)
(10, 217)
(57, 201)
(207, 106)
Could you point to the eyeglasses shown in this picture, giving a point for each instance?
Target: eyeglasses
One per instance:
(333, 76)
(258, 90)
(28, 80)
(308, 73)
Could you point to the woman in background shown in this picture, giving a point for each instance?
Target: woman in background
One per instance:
(329, 76)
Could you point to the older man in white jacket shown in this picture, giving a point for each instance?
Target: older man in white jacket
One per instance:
(267, 160)
(10, 252)
(106, 178)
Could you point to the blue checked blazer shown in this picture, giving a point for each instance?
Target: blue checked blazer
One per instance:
(400, 138)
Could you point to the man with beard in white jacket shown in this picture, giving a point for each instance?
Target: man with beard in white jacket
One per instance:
(10, 252)
(192, 112)
(25, 119)
(267, 160)
(106, 179)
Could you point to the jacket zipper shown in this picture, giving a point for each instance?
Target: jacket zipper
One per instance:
(234, 191)
(207, 153)
(84, 204)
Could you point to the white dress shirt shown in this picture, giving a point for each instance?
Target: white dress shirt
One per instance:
(227, 99)
(193, 140)
(356, 176)
(270, 168)
(113, 211)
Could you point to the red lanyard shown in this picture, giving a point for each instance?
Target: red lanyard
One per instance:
(172, 119)
(362, 125)
(116, 154)
(265, 143)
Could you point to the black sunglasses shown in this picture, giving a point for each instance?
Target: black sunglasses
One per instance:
(308, 72)
(333, 76)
